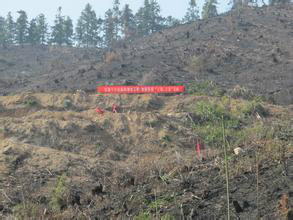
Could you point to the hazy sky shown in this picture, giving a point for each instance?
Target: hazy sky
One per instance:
(176, 8)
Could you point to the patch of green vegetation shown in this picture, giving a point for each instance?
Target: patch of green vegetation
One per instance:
(284, 132)
(67, 103)
(26, 210)
(209, 125)
(161, 202)
(155, 205)
(205, 88)
(212, 113)
(58, 201)
(167, 217)
(153, 123)
(254, 107)
(166, 139)
(30, 103)
(244, 93)
(143, 216)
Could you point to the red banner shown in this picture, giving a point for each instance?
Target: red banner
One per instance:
(140, 89)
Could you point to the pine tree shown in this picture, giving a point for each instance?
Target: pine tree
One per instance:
(21, 28)
(68, 31)
(143, 17)
(3, 32)
(58, 33)
(33, 33)
(156, 20)
(10, 24)
(109, 29)
(128, 22)
(116, 17)
(192, 13)
(172, 22)
(209, 9)
(62, 31)
(42, 27)
(87, 29)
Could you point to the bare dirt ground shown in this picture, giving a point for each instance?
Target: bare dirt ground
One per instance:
(60, 159)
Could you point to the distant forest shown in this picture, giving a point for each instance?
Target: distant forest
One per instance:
(118, 23)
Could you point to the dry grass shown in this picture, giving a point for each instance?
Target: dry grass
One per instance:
(112, 56)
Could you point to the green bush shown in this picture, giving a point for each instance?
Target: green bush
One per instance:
(26, 210)
(209, 126)
(244, 93)
(205, 88)
(167, 217)
(211, 112)
(58, 199)
(31, 102)
(143, 216)
(253, 107)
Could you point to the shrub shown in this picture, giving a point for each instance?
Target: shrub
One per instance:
(58, 199)
(143, 216)
(67, 103)
(27, 210)
(30, 101)
(251, 108)
(167, 217)
(205, 88)
(209, 112)
(210, 123)
(240, 92)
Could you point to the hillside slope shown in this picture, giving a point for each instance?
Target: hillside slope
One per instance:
(251, 48)
(60, 159)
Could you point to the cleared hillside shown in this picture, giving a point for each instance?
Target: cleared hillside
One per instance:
(251, 48)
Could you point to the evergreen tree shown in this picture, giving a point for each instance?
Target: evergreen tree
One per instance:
(42, 27)
(33, 33)
(172, 22)
(236, 3)
(58, 33)
(156, 20)
(21, 28)
(3, 32)
(116, 17)
(62, 31)
(10, 24)
(209, 9)
(109, 29)
(87, 29)
(68, 31)
(128, 22)
(192, 13)
(143, 17)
